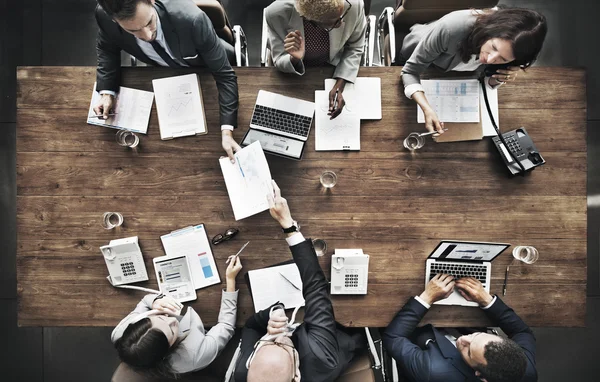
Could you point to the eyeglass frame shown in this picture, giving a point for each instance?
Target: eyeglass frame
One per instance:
(338, 21)
(262, 343)
(225, 236)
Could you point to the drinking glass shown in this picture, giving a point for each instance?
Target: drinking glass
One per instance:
(414, 141)
(127, 138)
(526, 254)
(111, 220)
(413, 172)
(328, 179)
(320, 246)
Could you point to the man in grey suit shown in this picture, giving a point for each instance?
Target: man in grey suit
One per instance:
(173, 33)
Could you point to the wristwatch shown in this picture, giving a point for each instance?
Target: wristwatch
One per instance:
(294, 228)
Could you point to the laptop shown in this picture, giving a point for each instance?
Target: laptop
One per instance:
(463, 259)
(281, 124)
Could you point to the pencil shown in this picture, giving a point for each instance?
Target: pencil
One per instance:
(505, 280)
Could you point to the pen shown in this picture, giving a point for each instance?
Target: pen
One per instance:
(242, 171)
(429, 133)
(505, 280)
(288, 280)
(102, 116)
(337, 91)
(237, 254)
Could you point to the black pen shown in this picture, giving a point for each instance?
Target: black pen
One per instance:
(505, 280)
(102, 116)
(337, 91)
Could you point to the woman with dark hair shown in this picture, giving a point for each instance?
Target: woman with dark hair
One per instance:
(156, 340)
(465, 41)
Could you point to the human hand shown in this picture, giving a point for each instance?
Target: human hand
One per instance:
(278, 207)
(234, 267)
(506, 75)
(105, 105)
(294, 44)
(438, 288)
(167, 305)
(229, 144)
(336, 104)
(432, 122)
(472, 290)
(277, 322)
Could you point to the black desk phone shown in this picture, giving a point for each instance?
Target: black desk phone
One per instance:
(516, 147)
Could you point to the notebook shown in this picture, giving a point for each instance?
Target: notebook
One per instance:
(281, 283)
(192, 242)
(132, 109)
(179, 106)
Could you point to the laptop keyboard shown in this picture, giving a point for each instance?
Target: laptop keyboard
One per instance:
(281, 120)
(457, 270)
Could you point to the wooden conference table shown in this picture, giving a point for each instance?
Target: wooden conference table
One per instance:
(70, 173)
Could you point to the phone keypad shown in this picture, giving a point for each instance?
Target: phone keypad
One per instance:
(128, 269)
(513, 144)
(351, 280)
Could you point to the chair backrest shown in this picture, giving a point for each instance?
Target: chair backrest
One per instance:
(367, 7)
(411, 12)
(216, 13)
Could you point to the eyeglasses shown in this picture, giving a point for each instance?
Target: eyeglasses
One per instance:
(261, 343)
(228, 235)
(338, 21)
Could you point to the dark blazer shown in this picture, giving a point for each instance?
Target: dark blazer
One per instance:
(439, 360)
(324, 349)
(190, 36)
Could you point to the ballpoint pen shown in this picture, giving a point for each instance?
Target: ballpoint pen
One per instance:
(237, 254)
(337, 91)
(431, 132)
(505, 280)
(288, 280)
(102, 115)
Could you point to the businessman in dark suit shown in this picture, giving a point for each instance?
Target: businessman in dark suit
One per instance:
(173, 33)
(317, 350)
(429, 354)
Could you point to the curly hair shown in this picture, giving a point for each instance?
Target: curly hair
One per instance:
(316, 9)
(506, 361)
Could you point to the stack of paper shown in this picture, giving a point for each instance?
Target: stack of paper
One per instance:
(452, 100)
(340, 133)
(132, 108)
(276, 284)
(248, 181)
(362, 97)
(192, 242)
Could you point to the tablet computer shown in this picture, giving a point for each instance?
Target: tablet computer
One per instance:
(174, 277)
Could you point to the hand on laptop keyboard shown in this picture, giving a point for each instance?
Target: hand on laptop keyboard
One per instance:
(438, 288)
(472, 290)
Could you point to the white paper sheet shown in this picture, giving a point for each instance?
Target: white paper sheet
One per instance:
(179, 106)
(269, 286)
(193, 243)
(486, 123)
(132, 107)
(340, 133)
(362, 97)
(452, 100)
(248, 181)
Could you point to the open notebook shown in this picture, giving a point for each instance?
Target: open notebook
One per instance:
(281, 283)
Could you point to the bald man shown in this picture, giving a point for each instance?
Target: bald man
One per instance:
(317, 350)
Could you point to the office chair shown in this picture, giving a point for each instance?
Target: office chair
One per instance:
(234, 36)
(394, 25)
(370, 366)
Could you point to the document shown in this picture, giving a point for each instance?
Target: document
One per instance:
(192, 242)
(362, 97)
(486, 122)
(340, 133)
(174, 277)
(248, 181)
(179, 106)
(132, 109)
(452, 100)
(280, 283)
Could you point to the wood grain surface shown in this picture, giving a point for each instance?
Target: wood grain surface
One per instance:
(69, 173)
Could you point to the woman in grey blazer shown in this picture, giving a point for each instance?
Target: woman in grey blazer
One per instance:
(155, 339)
(464, 41)
(315, 32)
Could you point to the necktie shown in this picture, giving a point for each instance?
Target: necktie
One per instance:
(164, 55)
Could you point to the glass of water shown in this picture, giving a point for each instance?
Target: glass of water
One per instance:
(127, 138)
(320, 246)
(414, 141)
(111, 220)
(526, 254)
(328, 179)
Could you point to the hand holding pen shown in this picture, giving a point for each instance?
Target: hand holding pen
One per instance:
(336, 99)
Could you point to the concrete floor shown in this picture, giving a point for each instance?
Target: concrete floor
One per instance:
(62, 32)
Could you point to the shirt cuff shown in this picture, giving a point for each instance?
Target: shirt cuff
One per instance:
(426, 305)
(295, 239)
(490, 304)
(114, 94)
(227, 127)
(412, 89)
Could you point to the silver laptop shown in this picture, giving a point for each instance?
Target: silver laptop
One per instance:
(281, 124)
(463, 259)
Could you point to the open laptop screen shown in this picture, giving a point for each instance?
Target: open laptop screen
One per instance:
(467, 251)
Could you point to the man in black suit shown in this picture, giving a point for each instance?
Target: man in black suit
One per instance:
(316, 350)
(428, 354)
(173, 33)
